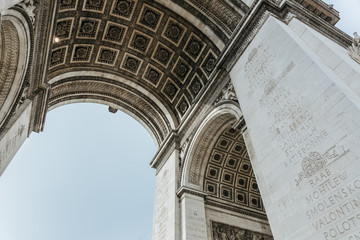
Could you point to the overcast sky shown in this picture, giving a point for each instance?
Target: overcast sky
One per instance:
(87, 176)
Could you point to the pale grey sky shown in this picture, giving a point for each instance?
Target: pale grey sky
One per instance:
(87, 176)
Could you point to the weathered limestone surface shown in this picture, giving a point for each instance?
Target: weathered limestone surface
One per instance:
(166, 222)
(193, 218)
(299, 93)
(13, 137)
(5, 4)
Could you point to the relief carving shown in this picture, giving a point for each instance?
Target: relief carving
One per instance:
(222, 231)
(227, 94)
(354, 49)
(29, 7)
(315, 161)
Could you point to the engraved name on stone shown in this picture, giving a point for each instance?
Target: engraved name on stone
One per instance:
(334, 205)
(297, 135)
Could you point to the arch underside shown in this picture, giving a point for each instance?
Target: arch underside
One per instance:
(114, 94)
(167, 48)
(229, 177)
(218, 164)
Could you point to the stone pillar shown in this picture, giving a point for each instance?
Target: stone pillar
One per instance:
(5, 4)
(193, 221)
(15, 134)
(299, 93)
(166, 219)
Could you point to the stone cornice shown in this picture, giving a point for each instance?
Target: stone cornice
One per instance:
(284, 12)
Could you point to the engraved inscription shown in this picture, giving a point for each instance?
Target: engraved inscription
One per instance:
(333, 206)
(296, 134)
(161, 209)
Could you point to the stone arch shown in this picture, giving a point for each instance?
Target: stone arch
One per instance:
(144, 46)
(15, 56)
(213, 125)
(116, 92)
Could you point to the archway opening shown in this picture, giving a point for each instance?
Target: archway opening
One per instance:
(86, 177)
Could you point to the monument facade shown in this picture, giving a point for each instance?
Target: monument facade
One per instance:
(253, 104)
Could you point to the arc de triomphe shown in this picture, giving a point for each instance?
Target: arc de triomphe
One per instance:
(254, 105)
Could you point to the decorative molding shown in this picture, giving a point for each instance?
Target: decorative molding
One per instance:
(191, 191)
(285, 11)
(9, 60)
(120, 94)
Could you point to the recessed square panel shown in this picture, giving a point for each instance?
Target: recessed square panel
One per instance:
(255, 201)
(63, 28)
(245, 167)
(228, 177)
(88, 28)
(150, 17)
(213, 172)
(123, 8)
(232, 162)
(209, 63)
(162, 54)
(58, 56)
(181, 69)
(183, 105)
(140, 42)
(94, 5)
(195, 86)
(170, 89)
(254, 186)
(232, 132)
(174, 31)
(238, 149)
(114, 33)
(131, 63)
(194, 47)
(107, 56)
(226, 193)
(68, 5)
(81, 53)
(211, 187)
(242, 182)
(241, 197)
(224, 143)
(217, 157)
(153, 75)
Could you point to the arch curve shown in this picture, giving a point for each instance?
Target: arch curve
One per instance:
(15, 53)
(213, 125)
(91, 86)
